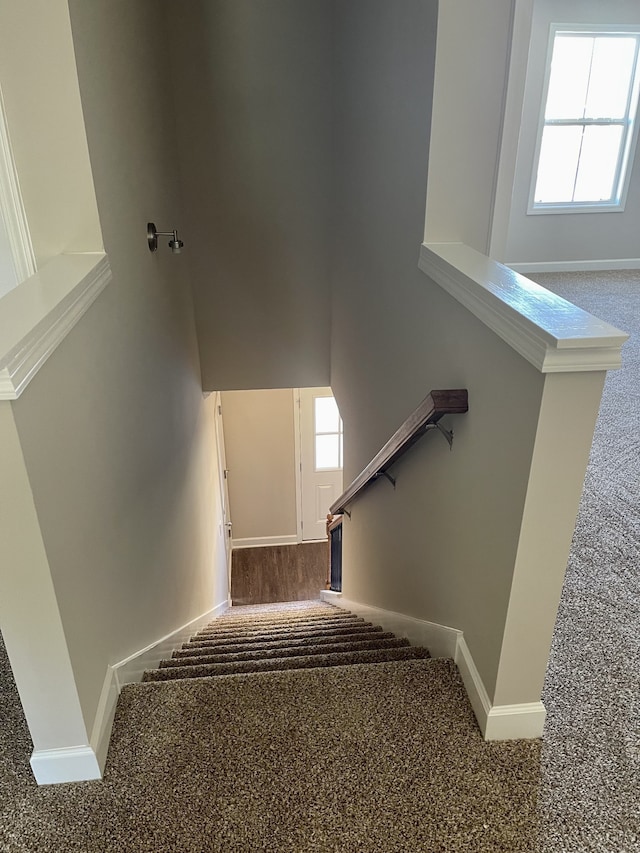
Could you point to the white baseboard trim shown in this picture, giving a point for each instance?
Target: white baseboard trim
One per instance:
(497, 722)
(129, 671)
(265, 541)
(439, 639)
(73, 764)
(577, 266)
(512, 722)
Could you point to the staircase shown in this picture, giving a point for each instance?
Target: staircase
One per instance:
(272, 638)
(301, 728)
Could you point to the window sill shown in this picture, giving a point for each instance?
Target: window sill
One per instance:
(36, 316)
(575, 208)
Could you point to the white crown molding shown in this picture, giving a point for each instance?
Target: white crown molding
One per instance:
(36, 316)
(71, 764)
(549, 332)
(12, 207)
(497, 722)
(577, 266)
(266, 541)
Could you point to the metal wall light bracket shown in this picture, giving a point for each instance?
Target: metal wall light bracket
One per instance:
(152, 239)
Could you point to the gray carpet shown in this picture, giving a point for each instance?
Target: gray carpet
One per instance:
(591, 748)
(370, 757)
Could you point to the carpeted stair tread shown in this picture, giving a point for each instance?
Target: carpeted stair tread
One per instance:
(191, 649)
(278, 630)
(300, 625)
(289, 651)
(277, 664)
(278, 618)
(263, 636)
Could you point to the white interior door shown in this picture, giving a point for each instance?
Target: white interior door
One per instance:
(320, 458)
(224, 487)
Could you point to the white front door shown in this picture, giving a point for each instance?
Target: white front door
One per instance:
(321, 459)
(224, 487)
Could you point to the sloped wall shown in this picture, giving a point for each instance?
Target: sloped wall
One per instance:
(253, 99)
(442, 546)
(117, 439)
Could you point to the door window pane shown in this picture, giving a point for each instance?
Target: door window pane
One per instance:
(327, 415)
(327, 452)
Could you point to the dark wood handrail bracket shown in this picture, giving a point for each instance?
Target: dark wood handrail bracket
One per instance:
(436, 405)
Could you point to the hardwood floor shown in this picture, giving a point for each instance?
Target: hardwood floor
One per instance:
(278, 573)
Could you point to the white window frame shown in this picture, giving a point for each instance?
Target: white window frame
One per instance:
(628, 145)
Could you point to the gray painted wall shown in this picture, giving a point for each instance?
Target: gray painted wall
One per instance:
(442, 546)
(253, 105)
(117, 440)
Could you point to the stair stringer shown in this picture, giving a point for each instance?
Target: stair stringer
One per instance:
(497, 722)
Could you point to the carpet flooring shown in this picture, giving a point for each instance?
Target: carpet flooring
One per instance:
(385, 756)
(228, 645)
(590, 794)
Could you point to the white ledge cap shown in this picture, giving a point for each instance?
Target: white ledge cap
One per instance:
(552, 334)
(38, 314)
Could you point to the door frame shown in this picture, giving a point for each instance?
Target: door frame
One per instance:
(297, 461)
(298, 465)
(223, 489)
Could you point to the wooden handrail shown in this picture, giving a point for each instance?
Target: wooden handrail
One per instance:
(431, 409)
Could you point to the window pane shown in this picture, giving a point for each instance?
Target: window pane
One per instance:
(558, 164)
(569, 77)
(327, 452)
(610, 77)
(327, 415)
(598, 162)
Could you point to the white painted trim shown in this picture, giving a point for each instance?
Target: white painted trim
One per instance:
(577, 266)
(103, 721)
(72, 764)
(37, 316)
(626, 152)
(473, 684)
(266, 541)
(520, 40)
(550, 333)
(330, 596)
(131, 669)
(12, 208)
(297, 460)
(497, 722)
(441, 640)
(512, 722)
